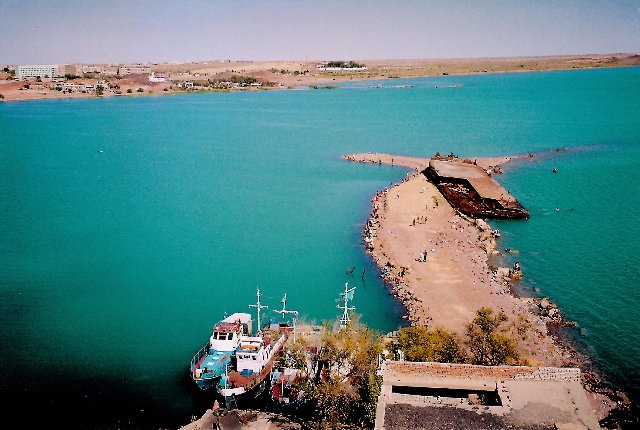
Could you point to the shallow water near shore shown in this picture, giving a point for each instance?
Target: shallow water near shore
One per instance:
(131, 225)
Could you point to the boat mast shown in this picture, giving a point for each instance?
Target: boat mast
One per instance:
(284, 311)
(346, 295)
(259, 308)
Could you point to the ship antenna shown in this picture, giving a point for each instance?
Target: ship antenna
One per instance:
(346, 295)
(284, 311)
(259, 308)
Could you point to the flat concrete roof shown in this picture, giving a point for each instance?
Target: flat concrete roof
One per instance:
(530, 396)
(484, 184)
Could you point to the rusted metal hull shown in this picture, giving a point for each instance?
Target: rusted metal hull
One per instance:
(462, 196)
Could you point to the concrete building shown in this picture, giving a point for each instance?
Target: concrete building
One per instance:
(110, 70)
(159, 78)
(435, 395)
(42, 71)
(133, 70)
(68, 87)
(91, 68)
(71, 69)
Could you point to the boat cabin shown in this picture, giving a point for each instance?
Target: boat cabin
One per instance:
(226, 334)
(252, 355)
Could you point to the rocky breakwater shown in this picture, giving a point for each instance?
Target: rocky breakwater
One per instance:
(393, 274)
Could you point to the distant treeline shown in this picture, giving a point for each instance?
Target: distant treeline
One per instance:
(234, 80)
(324, 87)
(344, 64)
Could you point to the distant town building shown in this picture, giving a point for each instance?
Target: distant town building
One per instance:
(159, 78)
(68, 86)
(106, 70)
(132, 70)
(91, 68)
(42, 71)
(71, 69)
(110, 70)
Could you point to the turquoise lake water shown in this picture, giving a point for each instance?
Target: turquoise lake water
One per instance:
(131, 225)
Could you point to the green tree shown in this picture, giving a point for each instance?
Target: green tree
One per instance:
(129, 90)
(1, 97)
(243, 80)
(295, 356)
(140, 90)
(487, 341)
(345, 389)
(99, 90)
(420, 344)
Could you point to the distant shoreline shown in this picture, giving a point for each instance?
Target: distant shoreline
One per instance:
(273, 75)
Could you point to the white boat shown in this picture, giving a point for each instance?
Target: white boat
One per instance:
(211, 361)
(254, 360)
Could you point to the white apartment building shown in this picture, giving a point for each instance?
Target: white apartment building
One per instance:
(39, 70)
(159, 78)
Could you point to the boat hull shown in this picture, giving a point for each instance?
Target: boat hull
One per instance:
(208, 368)
(205, 384)
(238, 398)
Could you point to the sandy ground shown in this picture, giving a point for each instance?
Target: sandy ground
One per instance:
(301, 74)
(456, 280)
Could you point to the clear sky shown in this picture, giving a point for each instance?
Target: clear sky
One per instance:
(103, 31)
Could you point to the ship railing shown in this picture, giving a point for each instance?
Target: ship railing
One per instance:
(196, 358)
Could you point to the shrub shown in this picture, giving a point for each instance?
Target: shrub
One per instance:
(420, 344)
